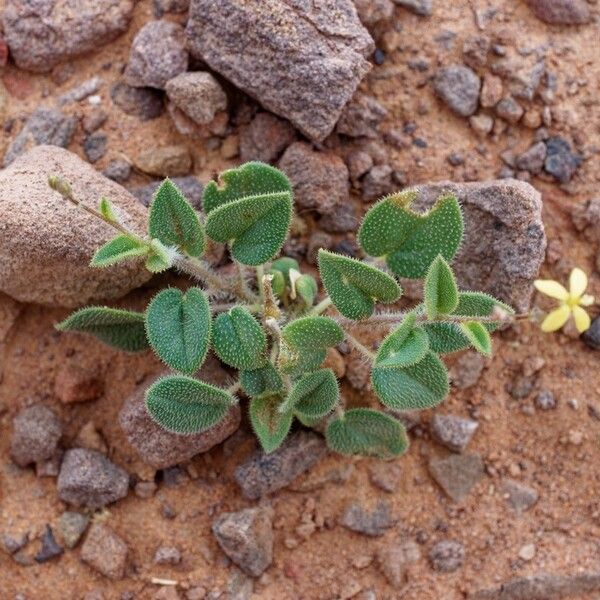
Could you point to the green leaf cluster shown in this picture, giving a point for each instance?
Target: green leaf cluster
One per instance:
(266, 322)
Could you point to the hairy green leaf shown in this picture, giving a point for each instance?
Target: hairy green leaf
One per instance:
(118, 249)
(257, 226)
(313, 396)
(278, 282)
(159, 259)
(367, 432)
(309, 334)
(269, 424)
(306, 288)
(259, 381)
(174, 222)
(283, 265)
(107, 210)
(122, 329)
(478, 336)
(294, 362)
(185, 405)
(178, 327)
(354, 286)
(419, 386)
(410, 241)
(441, 291)
(239, 340)
(405, 346)
(251, 179)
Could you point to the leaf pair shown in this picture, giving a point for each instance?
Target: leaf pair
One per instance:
(354, 286)
(410, 241)
(251, 208)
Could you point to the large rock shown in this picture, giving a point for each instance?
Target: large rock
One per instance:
(561, 12)
(43, 33)
(505, 242)
(160, 448)
(300, 61)
(46, 243)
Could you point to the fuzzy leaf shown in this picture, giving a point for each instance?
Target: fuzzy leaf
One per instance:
(314, 395)
(184, 405)
(419, 386)
(122, 329)
(447, 337)
(278, 282)
(367, 432)
(410, 241)
(251, 179)
(309, 334)
(283, 265)
(178, 327)
(118, 249)
(174, 222)
(441, 291)
(354, 286)
(306, 288)
(107, 210)
(295, 363)
(405, 346)
(257, 225)
(270, 426)
(259, 381)
(478, 336)
(159, 259)
(239, 340)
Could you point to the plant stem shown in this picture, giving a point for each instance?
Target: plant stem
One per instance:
(260, 272)
(360, 346)
(321, 306)
(234, 388)
(242, 290)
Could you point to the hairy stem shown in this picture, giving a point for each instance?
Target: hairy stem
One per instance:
(360, 346)
(321, 306)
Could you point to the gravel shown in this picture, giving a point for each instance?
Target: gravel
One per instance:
(36, 433)
(457, 474)
(453, 432)
(447, 556)
(458, 87)
(373, 523)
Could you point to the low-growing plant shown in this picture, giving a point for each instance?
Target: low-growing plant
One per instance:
(265, 321)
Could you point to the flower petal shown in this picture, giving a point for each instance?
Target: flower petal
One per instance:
(551, 288)
(582, 319)
(586, 300)
(556, 319)
(578, 281)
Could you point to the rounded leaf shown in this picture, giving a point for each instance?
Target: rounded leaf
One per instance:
(478, 336)
(239, 340)
(309, 334)
(118, 249)
(178, 326)
(410, 241)
(417, 387)
(269, 424)
(184, 405)
(441, 291)
(122, 329)
(405, 346)
(367, 432)
(314, 395)
(174, 222)
(306, 288)
(354, 286)
(283, 265)
(259, 381)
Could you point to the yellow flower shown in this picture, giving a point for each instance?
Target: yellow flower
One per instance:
(570, 301)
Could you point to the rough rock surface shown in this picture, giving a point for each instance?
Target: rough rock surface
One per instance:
(505, 242)
(198, 94)
(561, 12)
(265, 138)
(43, 33)
(160, 448)
(320, 179)
(190, 187)
(144, 103)
(373, 523)
(246, 537)
(157, 54)
(453, 432)
(44, 126)
(447, 556)
(458, 87)
(46, 243)
(87, 478)
(300, 61)
(457, 474)
(36, 433)
(265, 473)
(105, 551)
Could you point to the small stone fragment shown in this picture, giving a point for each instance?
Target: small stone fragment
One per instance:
(105, 551)
(93, 121)
(491, 91)
(395, 558)
(447, 556)
(77, 384)
(262, 473)
(36, 433)
(386, 476)
(373, 523)
(527, 552)
(89, 437)
(320, 179)
(467, 370)
(167, 161)
(475, 50)
(545, 399)
(167, 555)
(457, 474)
(144, 103)
(532, 160)
(71, 526)
(359, 163)
(458, 87)
(453, 432)
(265, 138)
(80, 92)
(561, 162)
(509, 110)
(377, 183)
(50, 549)
(95, 146)
(198, 94)
(561, 12)
(118, 170)
(361, 117)
(87, 478)
(158, 54)
(482, 124)
(423, 8)
(520, 497)
(371, 12)
(246, 537)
